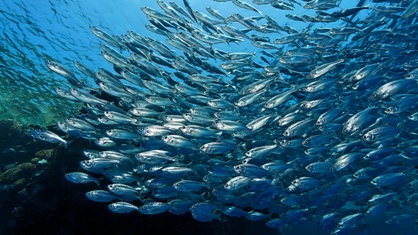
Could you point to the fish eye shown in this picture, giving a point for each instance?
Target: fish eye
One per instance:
(206, 178)
(217, 211)
(286, 133)
(87, 163)
(389, 110)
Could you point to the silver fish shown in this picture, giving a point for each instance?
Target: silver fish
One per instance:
(390, 180)
(80, 178)
(245, 5)
(303, 184)
(299, 128)
(100, 196)
(205, 211)
(217, 148)
(122, 207)
(324, 68)
(252, 171)
(189, 186)
(249, 98)
(48, 136)
(279, 99)
(177, 141)
(261, 151)
(124, 192)
(381, 133)
(121, 134)
(198, 131)
(66, 73)
(394, 87)
(237, 183)
(155, 130)
(359, 120)
(319, 167)
(411, 9)
(153, 208)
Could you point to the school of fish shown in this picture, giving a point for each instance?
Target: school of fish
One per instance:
(318, 125)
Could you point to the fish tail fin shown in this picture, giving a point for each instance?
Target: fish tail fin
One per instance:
(66, 144)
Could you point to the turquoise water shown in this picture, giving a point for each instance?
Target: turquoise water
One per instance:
(34, 31)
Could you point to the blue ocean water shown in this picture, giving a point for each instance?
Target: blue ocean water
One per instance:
(34, 32)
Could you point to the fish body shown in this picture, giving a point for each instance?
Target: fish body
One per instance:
(80, 178)
(324, 68)
(237, 183)
(100, 196)
(47, 136)
(64, 72)
(189, 186)
(217, 148)
(393, 87)
(153, 208)
(122, 207)
(205, 212)
(390, 180)
(177, 141)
